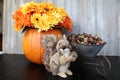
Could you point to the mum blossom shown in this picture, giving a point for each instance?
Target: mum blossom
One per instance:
(43, 16)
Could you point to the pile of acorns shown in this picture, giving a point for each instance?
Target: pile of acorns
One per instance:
(86, 39)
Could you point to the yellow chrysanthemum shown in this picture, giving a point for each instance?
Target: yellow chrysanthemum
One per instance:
(62, 12)
(49, 6)
(43, 16)
(36, 19)
(40, 22)
(28, 7)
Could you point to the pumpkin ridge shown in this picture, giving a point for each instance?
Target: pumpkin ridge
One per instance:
(31, 47)
(40, 48)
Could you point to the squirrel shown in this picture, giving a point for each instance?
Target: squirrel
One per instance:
(57, 59)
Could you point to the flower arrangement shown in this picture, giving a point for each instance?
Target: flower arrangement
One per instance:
(40, 20)
(43, 16)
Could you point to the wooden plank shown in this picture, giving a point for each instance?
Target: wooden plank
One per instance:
(111, 26)
(5, 29)
(76, 16)
(17, 67)
(91, 25)
(84, 16)
(118, 51)
(13, 34)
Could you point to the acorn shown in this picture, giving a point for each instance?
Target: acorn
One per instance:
(86, 39)
(78, 41)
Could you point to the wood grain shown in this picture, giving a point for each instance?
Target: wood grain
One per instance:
(17, 67)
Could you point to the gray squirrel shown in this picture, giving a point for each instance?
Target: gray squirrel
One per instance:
(58, 55)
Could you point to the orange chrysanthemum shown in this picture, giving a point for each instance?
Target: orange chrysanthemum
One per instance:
(43, 16)
(67, 23)
(22, 20)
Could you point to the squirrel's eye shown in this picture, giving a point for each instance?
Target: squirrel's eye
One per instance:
(59, 44)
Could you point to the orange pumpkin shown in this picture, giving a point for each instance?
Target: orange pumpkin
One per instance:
(32, 45)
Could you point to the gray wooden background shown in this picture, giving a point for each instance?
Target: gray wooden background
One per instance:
(97, 17)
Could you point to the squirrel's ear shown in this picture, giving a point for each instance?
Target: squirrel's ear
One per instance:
(60, 37)
(64, 37)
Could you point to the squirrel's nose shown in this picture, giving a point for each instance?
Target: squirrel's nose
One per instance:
(63, 47)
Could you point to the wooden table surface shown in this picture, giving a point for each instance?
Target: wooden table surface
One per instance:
(17, 67)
